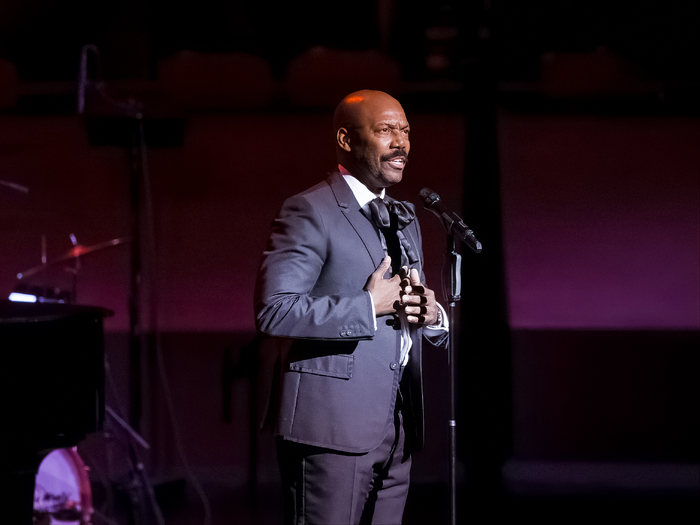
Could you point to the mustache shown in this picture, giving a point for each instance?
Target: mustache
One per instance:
(393, 155)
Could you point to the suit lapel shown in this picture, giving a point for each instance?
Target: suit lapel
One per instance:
(351, 209)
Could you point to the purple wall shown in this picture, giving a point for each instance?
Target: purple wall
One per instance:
(601, 221)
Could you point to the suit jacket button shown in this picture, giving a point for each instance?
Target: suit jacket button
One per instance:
(394, 365)
(342, 333)
(349, 332)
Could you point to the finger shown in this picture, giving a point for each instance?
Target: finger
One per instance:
(414, 299)
(383, 266)
(416, 310)
(415, 278)
(404, 272)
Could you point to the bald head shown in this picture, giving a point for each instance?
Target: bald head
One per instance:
(372, 138)
(350, 110)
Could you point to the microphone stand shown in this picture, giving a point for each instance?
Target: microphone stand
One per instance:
(452, 285)
(452, 290)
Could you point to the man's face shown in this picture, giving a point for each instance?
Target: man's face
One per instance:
(379, 143)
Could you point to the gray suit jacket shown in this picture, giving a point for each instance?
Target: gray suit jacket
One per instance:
(338, 378)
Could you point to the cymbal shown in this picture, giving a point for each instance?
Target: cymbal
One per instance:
(74, 253)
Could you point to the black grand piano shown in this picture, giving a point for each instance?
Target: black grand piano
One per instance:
(53, 391)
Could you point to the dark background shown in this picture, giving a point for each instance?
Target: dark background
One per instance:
(565, 133)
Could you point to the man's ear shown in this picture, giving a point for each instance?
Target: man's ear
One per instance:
(343, 139)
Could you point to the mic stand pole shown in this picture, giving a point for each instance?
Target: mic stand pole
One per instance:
(452, 284)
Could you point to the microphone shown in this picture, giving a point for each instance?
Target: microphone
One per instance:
(453, 223)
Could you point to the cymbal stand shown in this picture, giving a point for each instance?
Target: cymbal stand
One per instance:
(14, 186)
(134, 482)
(132, 111)
(72, 270)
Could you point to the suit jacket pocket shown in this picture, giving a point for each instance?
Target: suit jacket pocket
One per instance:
(339, 366)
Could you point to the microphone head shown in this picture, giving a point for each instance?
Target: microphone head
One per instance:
(429, 197)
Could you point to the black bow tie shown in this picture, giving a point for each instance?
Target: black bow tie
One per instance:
(392, 216)
(382, 210)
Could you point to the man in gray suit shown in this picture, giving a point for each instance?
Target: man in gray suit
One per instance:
(340, 289)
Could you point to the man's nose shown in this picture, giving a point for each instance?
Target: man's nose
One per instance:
(398, 139)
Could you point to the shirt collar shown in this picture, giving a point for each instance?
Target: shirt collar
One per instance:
(359, 190)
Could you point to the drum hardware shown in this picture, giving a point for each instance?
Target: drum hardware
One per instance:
(32, 293)
(14, 186)
(137, 485)
(125, 491)
(62, 491)
(74, 253)
(135, 435)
